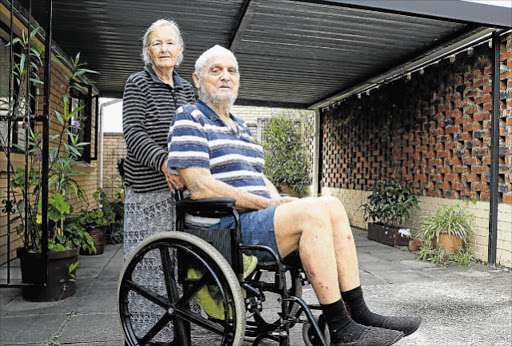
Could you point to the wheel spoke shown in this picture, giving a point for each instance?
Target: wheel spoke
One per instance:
(168, 269)
(156, 328)
(192, 289)
(148, 294)
(200, 321)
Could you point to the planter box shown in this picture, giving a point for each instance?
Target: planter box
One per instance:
(388, 235)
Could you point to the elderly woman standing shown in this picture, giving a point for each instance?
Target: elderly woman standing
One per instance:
(151, 98)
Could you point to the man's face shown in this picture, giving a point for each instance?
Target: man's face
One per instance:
(220, 80)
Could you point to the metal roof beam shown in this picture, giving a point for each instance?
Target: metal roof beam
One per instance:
(451, 10)
(458, 42)
(243, 22)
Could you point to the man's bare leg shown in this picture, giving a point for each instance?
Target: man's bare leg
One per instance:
(320, 227)
(328, 260)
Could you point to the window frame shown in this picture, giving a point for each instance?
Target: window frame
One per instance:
(85, 97)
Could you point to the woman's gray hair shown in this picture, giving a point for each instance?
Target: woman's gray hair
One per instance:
(146, 40)
(209, 55)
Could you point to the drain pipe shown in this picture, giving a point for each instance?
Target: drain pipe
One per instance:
(102, 108)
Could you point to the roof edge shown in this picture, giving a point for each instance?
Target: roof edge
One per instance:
(459, 11)
(400, 70)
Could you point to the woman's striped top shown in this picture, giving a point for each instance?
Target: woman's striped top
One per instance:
(149, 106)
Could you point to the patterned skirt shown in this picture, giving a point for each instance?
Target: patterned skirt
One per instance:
(146, 214)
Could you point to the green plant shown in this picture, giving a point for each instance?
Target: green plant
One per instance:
(53, 341)
(103, 215)
(451, 220)
(71, 276)
(287, 158)
(463, 256)
(64, 153)
(390, 202)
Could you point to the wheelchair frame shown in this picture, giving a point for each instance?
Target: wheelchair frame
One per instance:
(219, 257)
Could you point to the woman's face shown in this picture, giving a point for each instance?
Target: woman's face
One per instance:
(164, 48)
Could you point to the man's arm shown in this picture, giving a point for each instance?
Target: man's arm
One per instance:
(201, 184)
(271, 188)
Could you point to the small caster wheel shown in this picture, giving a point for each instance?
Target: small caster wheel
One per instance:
(309, 335)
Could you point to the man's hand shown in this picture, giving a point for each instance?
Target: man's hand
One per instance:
(174, 181)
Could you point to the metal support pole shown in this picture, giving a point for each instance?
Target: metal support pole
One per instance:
(495, 133)
(26, 123)
(8, 149)
(316, 154)
(320, 152)
(46, 133)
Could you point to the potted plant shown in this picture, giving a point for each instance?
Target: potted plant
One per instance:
(115, 232)
(97, 221)
(389, 205)
(26, 184)
(447, 227)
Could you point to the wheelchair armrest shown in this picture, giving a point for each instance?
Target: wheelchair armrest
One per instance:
(208, 207)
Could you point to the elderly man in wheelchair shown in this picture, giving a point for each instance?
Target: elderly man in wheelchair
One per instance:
(239, 241)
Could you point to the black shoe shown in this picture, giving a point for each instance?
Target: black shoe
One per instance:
(407, 325)
(373, 336)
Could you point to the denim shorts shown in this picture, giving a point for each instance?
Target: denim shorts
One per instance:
(257, 229)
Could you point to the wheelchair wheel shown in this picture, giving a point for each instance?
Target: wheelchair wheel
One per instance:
(309, 335)
(198, 302)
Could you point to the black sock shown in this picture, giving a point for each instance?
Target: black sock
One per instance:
(358, 310)
(341, 327)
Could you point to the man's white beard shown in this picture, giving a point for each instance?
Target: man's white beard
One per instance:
(218, 100)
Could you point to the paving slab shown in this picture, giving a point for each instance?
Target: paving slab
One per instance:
(403, 276)
(382, 265)
(99, 298)
(101, 327)
(29, 329)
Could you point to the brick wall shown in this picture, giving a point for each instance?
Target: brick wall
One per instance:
(433, 130)
(253, 116)
(114, 148)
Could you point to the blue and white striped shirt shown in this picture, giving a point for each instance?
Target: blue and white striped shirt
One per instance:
(200, 138)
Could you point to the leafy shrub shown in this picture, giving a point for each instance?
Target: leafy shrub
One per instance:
(451, 220)
(390, 202)
(288, 162)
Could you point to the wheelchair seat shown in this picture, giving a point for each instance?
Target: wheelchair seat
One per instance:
(205, 267)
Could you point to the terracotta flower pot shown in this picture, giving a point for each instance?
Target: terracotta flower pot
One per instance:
(450, 243)
(32, 272)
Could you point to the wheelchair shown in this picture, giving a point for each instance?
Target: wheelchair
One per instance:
(205, 296)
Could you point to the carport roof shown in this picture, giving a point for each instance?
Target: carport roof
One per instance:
(294, 53)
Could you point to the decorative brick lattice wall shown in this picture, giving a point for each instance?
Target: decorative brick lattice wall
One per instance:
(432, 129)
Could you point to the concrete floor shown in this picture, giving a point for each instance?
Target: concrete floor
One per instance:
(459, 306)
